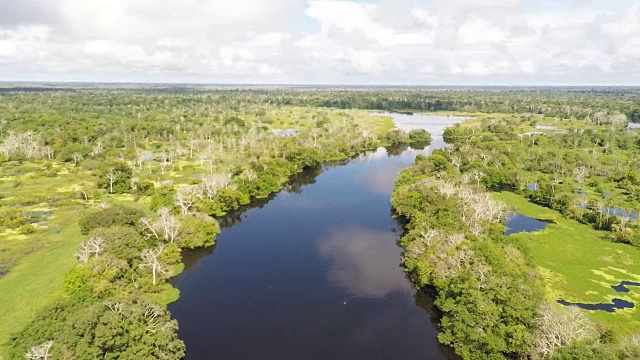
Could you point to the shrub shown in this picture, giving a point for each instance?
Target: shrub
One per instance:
(198, 231)
(113, 216)
(420, 137)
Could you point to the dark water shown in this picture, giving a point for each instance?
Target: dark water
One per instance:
(616, 304)
(622, 287)
(313, 273)
(517, 223)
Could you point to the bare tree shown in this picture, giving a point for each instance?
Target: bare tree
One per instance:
(249, 175)
(448, 189)
(455, 160)
(94, 246)
(48, 150)
(211, 184)
(581, 203)
(477, 175)
(76, 157)
(168, 224)
(422, 243)
(479, 208)
(151, 260)
(148, 227)
(560, 327)
(134, 183)
(98, 148)
(184, 199)
(82, 191)
(580, 174)
(193, 144)
(112, 175)
(39, 352)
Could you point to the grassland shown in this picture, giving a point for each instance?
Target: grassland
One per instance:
(580, 265)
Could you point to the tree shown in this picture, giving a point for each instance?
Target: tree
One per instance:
(580, 174)
(95, 246)
(197, 231)
(185, 197)
(477, 175)
(39, 352)
(112, 175)
(168, 224)
(165, 225)
(397, 137)
(116, 178)
(151, 260)
(76, 157)
(211, 184)
(112, 216)
(420, 137)
(122, 327)
(560, 327)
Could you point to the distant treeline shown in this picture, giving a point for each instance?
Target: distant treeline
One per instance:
(562, 102)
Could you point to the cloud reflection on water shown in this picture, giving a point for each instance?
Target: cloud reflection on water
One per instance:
(359, 261)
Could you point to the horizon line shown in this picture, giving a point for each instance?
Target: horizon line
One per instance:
(81, 82)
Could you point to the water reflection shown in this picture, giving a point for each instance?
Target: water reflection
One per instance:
(435, 124)
(360, 262)
(396, 150)
(312, 272)
(518, 223)
(380, 174)
(294, 185)
(190, 257)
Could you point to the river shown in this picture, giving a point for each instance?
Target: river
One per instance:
(313, 273)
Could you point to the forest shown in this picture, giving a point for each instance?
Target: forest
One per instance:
(500, 295)
(108, 187)
(104, 187)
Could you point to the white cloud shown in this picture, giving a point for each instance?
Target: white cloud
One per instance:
(390, 41)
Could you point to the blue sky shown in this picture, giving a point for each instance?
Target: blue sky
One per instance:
(428, 42)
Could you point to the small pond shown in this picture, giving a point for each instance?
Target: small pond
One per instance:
(622, 287)
(40, 213)
(517, 223)
(285, 132)
(616, 304)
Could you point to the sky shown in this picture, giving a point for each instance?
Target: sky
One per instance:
(363, 42)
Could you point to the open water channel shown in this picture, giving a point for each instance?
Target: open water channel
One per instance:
(314, 272)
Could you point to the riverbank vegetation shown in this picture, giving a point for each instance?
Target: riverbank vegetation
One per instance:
(101, 190)
(579, 178)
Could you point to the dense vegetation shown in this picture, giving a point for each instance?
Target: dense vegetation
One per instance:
(129, 179)
(489, 291)
(589, 176)
(102, 189)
